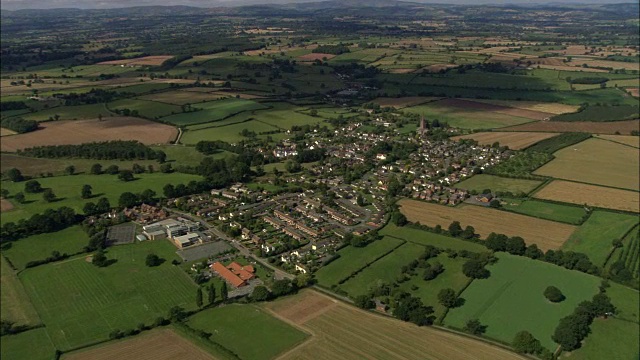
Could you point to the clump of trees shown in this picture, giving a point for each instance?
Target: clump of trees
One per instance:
(554, 294)
(574, 328)
(49, 221)
(105, 150)
(153, 260)
(19, 125)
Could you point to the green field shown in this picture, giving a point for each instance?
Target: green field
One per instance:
(247, 330)
(38, 247)
(284, 116)
(70, 112)
(629, 253)
(146, 108)
(186, 155)
(80, 303)
(601, 113)
(610, 339)
(545, 210)
(512, 300)
(16, 306)
(481, 182)
(626, 301)
(67, 189)
(229, 133)
(32, 345)
(213, 111)
(353, 259)
(594, 237)
(422, 237)
(465, 118)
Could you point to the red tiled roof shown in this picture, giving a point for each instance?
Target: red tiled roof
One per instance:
(229, 276)
(240, 271)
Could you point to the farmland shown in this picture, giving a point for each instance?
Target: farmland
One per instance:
(513, 140)
(629, 254)
(551, 108)
(83, 131)
(146, 108)
(516, 282)
(162, 344)
(32, 345)
(403, 102)
(546, 234)
(569, 214)
(343, 331)
(593, 161)
(609, 338)
(425, 238)
(81, 303)
(481, 182)
(592, 195)
(181, 97)
(620, 127)
(622, 139)
(594, 237)
(16, 306)
(212, 111)
(232, 325)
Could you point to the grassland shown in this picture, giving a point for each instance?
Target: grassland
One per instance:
(148, 109)
(422, 237)
(232, 326)
(213, 111)
(67, 189)
(601, 113)
(629, 254)
(229, 133)
(596, 161)
(513, 140)
(345, 332)
(546, 210)
(518, 283)
(609, 339)
(481, 182)
(284, 116)
(552, 108)
(353, 259)
(594, 237)
(70, 112)
(32, 345)
(81, 303)
(591, 195)
(16, 306)
(181, 97)
(544, 233)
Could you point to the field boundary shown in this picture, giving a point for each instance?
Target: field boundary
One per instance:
(613, 249)
(353, 274)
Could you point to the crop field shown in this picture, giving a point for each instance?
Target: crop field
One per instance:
(32, 345)
(598, 162)
(38, 247)
(569, 214)
(16, 306)
(518, 283)
(181, 97)
(622, 139)
(81, 303)
(481, 182)
(213, 111)
(456, 114)
(551, 108)
(78, 112)
(629, 254)
(594, 237)
(422, 237)
(592, 195)
(233, 325)
(613, 127)
(402, 102)
(67, 189)
(353, 259)
(146, 108)
(229, 133)
(83, 131)
(544, 233)
(162, 344)
(345, 332)
(513, 140)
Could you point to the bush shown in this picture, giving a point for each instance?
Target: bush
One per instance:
(553, 294)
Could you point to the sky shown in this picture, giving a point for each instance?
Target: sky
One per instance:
(104, 4)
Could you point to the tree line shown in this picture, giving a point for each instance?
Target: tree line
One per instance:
(49, 221)
(19, 125)
(106, 150)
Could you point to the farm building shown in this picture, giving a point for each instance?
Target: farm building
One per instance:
(234, 273)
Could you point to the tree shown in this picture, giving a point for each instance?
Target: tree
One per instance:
(148, 196)
(112, 170)
(99, 259)
(103, 206)
(448, 298)
(166, 168)
(495, 204)
(177, 313)
(616, 243)
(128, 199)
(496, 242)
(137, 169)
(468, 233)
(281, 287)
(126, 175)
(224, 293)
(153, 260)
(211, 294)
(601, 304)
(398, 218)
(364, 302)
(292, 166)
(199, 297)
(4, 193)
(303, 280)
(86, 191)
(533, 252)
(474, 327)
(89, 209)
(455, 229)
(96, 169)
(475, 269)
(14, 175)
(432, 271)
(553, 294)
(48, 195)
(260, 293)
(32, 186)
(70, 170)
(525, 343)
(516, 246)
(19, 197)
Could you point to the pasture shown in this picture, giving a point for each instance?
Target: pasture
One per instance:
(544, 233)
(516, 284)
(67, 189)
(546, 210)
(229, 133)
(141, 61)
(345, 332)
(181, 97)
(513, 140)
(146, 108)
(284, 116)
(629, 253)
(232, 326)
(613, 127)
(353, 259)
(596, 161)
(162, 344)
(84, 131)
(16, 306)
(32, 345)
(609, 339)
(213, 111)
(594, 237)
(81, 303)
(79, 112)
(402, 102)
(481, 182)
(591, 195)
(422, 237)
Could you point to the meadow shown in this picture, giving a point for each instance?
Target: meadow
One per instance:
(629, 254)
(591, 195)
(33, 345)
(67, 189)
(569, 214)
(594, 237)
(213, 111)
(232, 326)
(609, 339)
(601, 113)
(81, 303)
(146, 108)
(16, 306)
(481, 182)
(229, 133)
(78, 112)
(512, 300)
(422, 237)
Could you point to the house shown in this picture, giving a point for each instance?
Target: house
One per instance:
(485, 198)
(301, 268)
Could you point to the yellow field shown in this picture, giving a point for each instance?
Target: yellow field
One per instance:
(596, 161)
(622, 139)
(591, 195)
(6, 132)
(553, 108)
(544, 233)
(341, 331)
(514, 140)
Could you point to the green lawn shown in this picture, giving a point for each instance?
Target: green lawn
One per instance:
(247, 331)
(67, 189)
(557, 212)
(353, 259)
(480, 182)
(512, 300)
(213, 111)
(610, 339)
(595, 235)
(15, 304)
(422, 237)
(80, 303)
(39, 247)
(32, 345)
